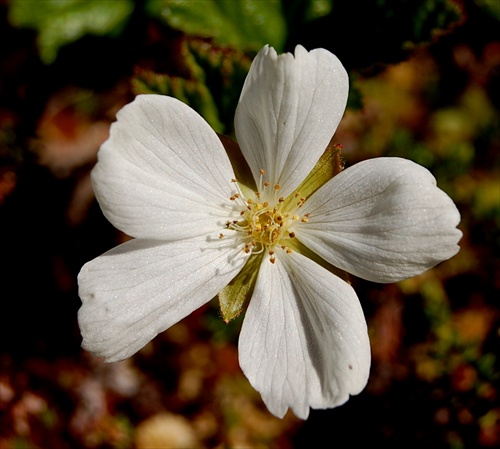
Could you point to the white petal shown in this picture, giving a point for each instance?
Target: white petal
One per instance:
(142, 287)
(163, 173)
(383, 220)
(288, 111)
(304, 340)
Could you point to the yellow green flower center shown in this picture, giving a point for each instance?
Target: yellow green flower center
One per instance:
(267, 224)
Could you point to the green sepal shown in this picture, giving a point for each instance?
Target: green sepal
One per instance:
(234, 298)
(329, 165)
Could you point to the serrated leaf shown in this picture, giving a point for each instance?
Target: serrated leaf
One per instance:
(224, 71)
(60, 22)
(191, 92)
(243, 24)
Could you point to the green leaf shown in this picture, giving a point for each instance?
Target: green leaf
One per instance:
(492, 7)
(192, 92)
(224, 71)
(60, 22)
(244, 24)
(236, 295)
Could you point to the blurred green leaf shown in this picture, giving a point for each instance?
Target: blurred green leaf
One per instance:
(192, 92)
(60, 22)
(211, 84)
(363, 34)
(245, 24)
(492, 7)
(224, 71)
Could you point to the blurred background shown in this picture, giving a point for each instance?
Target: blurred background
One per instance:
(425, 85)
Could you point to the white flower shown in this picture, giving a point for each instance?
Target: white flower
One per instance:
(164, 178)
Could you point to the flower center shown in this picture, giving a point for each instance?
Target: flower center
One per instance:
(267, 221)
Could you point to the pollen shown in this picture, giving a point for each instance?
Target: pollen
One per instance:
(266, 221)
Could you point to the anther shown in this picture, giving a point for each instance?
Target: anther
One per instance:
(281, 199)
(262, 172)
(277, 187)
(221, 235)
(266, 184)
(291, 235)
(272, 259)
(234, 180)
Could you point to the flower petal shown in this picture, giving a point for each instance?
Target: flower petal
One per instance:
(163, 173)
(383, 219)
(142, 287)
(288, 111)
(304, 340)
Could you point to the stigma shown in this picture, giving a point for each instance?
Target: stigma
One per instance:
(266, 220)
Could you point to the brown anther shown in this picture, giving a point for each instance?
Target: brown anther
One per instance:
(266, 184)
(279, 218)
(271, 252)
(265, 204)
(249, 201)
(221, 235)
(277, 187)
(272, 260)
(281, 199)
(257, 194)
(291, 235)
(242, 213)
(234, 180)
(297, 194)
(288, 251)
(262, 171)
(305, 219)
(249, 207)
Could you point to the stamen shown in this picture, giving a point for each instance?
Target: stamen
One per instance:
(265, 225)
